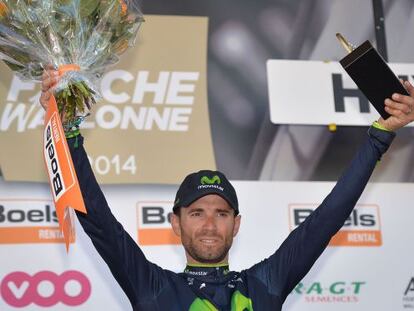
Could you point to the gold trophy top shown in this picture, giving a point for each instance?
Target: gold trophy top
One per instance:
(345, 43)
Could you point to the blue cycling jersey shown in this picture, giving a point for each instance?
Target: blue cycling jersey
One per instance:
(264, 286)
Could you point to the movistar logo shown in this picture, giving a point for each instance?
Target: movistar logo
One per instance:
(205, 180)
(239, 302)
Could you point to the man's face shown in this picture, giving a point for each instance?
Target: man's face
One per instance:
(207, 228)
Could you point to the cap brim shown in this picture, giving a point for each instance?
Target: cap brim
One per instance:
(202, 193)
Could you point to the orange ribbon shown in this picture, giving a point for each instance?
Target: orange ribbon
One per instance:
(69, 67)
(62, 175)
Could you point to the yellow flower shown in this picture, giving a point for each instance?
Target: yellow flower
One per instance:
(3, 9)
(124, 7)
(121, 46)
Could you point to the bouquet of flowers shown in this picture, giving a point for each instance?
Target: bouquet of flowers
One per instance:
(80, 38)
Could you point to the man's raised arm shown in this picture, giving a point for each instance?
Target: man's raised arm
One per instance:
(138, 277)
(290, 263)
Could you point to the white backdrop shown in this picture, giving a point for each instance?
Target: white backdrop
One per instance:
(375, 277)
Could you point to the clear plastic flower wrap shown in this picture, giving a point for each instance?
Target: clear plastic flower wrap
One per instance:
(80, 38)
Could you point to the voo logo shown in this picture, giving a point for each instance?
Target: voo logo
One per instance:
(45, 289)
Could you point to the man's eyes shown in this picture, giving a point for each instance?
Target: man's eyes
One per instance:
(219, 214)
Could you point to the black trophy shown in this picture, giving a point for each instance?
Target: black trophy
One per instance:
(371, 74)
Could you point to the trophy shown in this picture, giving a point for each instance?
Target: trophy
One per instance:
(371, 74)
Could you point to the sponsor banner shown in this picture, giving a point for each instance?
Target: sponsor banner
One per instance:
(154, 224)
(320, 93)
(330, 293)
(343, 278)
(362, 228)
(153, 112)
(20, 289)
(27, 220)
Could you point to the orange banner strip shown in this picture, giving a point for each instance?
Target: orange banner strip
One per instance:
(357, 238)
(23, 235)
(62, 176)
(157, 237)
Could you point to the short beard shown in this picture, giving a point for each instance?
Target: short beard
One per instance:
(207, 257)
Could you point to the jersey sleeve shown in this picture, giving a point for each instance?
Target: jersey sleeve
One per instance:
(138, 277)
(282, 271)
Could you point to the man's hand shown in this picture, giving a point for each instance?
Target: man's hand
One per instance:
(49, 79)
(401, 109)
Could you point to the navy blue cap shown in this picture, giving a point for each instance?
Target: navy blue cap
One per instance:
(202, 183)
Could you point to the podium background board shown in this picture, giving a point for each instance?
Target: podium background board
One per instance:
(346, 277)
(245, 143)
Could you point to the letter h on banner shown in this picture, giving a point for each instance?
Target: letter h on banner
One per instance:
(340, 93)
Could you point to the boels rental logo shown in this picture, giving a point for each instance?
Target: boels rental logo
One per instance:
(154, 224)
(362, 228)
(28, 221)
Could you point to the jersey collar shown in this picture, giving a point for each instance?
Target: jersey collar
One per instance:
(207, 271)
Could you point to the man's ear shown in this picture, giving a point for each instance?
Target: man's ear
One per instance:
(237, 221)
(175, 224)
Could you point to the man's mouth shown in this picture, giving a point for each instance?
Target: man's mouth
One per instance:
(209, 241)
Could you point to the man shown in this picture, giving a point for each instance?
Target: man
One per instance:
(206, 217)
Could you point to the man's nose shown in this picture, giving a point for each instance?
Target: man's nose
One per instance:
(210, 222)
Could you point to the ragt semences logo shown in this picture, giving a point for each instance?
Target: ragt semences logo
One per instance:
(154, 224)
(362, 228)
(330, 292)
(28, 221)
